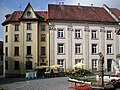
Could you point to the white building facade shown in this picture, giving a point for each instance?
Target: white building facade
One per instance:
(74, 41)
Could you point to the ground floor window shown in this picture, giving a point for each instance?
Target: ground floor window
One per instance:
(109, 63)
(16, 65)
(94, 64)
(60, 62)
(28, 65)
(6, 65)
(78, 61)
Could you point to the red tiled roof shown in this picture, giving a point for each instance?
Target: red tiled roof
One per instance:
(15, 16)
(78, 13)
(116, 11)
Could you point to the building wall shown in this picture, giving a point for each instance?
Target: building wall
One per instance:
(69, 41)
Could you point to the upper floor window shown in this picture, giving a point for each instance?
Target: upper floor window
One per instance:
(109, 49)
(29, 36)
(109, 34)
(6, 51)
(16, 51)
(60, 33)
(29, 25)
(94, 34)
(29, 14)
(60, 48)
(43, 50)
(77, 33)
(77, 48)
(94, 48)
(28, 50)
(16, 27)
(16, 37)
(6, 38)
(42, 37)
(6, 29)
(16, 65)
(43, 27)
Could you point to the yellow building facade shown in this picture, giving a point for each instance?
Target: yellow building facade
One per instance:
(26, 41)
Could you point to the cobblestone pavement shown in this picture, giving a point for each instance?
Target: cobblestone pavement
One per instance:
(60, 83)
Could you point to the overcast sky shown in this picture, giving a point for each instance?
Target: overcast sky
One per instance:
(9, 6)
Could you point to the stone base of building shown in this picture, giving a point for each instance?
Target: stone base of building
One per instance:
(14, 75)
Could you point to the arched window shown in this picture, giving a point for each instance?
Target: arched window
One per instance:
(28, 65)
(28, 13)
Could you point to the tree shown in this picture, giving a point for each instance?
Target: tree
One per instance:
(118, 56)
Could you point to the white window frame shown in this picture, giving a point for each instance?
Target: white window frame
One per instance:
(94, 64)
(77, 33)
(60, 47)
(94, 49)
(94, 34)
(78, 61)
(29, 36)
(60, 62)
(60, 33)
(109, 35)
(109, 49)
(78, 48)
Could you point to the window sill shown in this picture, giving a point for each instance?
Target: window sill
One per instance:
(78, 38)
(60, 53)
(17, 55)
(29, 29)
(16, 41)
(94, 54)
(110, 53)
(16, 30)
(78, 53)
(28, 56)
(29, 40)
(60, 37)
(94, 39)
(109, 39)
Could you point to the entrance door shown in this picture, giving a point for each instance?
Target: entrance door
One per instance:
(109, 64)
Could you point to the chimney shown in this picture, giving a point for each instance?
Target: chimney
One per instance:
(62, 3)
(59, 3)
(91, 5)
(78, 4)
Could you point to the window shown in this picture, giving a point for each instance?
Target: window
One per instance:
(94, 34)
(6, 51)
(6, 65)
(6, 38)
(78, 61)
(42, 37)
(42, 50)
(60, 33)
(109, 49)
(16, 65)
(60, 48)
(28, 65)
(43, 27)
(29, 36)
(60, 62)
(94, 49)
(16, 37)
(16, 51)
(77, 48)
(28, 50)
(29, 14)
(16, 27)
(77, 33)
(109, 34)
(94, 64)
(29, 26)
(6, 29)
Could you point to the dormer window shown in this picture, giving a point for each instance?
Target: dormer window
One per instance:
(29, 14)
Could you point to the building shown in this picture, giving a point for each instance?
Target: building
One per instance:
(1, 57)
(79, 33)
(26, 41)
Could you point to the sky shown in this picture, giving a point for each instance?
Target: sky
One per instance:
(9, 6)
